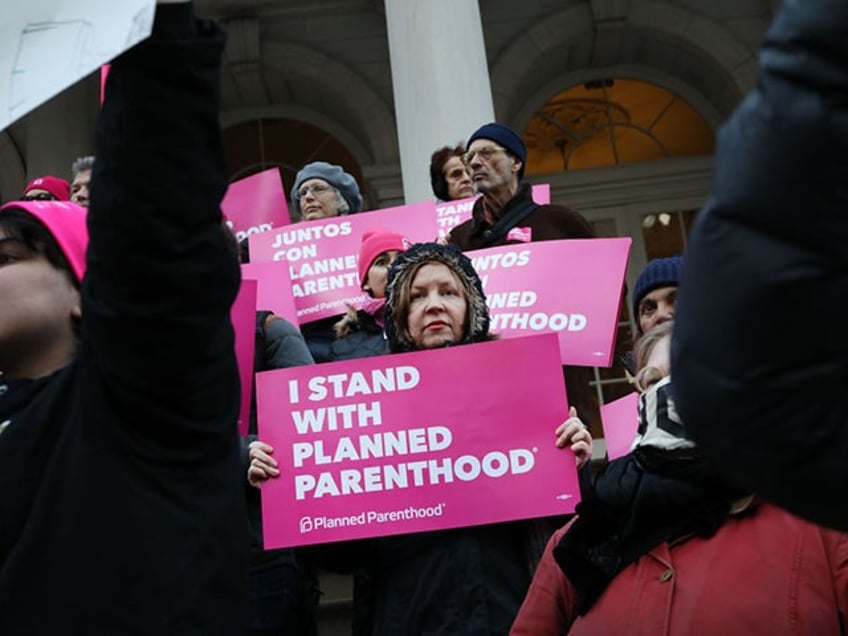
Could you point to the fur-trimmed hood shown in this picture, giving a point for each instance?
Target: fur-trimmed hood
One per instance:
(407, 264)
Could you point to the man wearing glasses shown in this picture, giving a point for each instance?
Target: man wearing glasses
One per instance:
(506, 214)
(47, 189)
(496, 157)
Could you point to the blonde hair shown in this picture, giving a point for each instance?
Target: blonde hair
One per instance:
(646, 343)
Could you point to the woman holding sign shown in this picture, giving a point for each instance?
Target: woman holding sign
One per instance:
(470, 580)
(467, 581)
(665, 545)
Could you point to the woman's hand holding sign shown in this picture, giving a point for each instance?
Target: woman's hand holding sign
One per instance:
(574, 432)
(262, 466)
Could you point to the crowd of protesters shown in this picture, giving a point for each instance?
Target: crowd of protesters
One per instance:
(131, 504)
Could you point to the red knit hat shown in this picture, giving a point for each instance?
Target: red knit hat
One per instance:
(59, 188)
(374, 243)
(66, 222)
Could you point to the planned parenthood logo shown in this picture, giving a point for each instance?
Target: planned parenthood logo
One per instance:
(368, 517)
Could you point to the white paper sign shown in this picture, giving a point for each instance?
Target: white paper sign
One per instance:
(47, 45)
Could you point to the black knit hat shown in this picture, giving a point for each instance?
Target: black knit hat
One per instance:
(506, 137)
(660, 272)
(407, 264)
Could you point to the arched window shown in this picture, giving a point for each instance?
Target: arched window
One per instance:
(612, 122)
(260, 144)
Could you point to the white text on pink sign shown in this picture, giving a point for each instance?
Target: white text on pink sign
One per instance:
(346, 457)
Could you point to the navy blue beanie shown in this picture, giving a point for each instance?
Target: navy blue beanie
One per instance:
(660, 272)
(507, 138)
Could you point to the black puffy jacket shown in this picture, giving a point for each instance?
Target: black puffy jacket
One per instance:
(760, 352)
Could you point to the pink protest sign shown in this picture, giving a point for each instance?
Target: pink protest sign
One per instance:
(449, 214)
(243, 317)
(256, 204)
(620, 419)
(570, 287)
(104, 73)
(542, 193)
(411, 442)
(322, 255)
(273, 290)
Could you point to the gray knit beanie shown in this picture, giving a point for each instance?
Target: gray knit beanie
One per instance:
(335, 176)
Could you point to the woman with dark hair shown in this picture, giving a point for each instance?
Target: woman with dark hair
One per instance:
(664, 545)
(449, 176)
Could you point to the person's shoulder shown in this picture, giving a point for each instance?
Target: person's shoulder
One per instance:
(560, 210)
(276, 326)
(460, 234)
(562, 220)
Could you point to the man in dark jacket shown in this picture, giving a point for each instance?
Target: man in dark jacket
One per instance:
(760, 353)
(496, 157)
(122, 508)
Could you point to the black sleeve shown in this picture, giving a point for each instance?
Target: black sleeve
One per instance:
(760, 352)
(157, 344)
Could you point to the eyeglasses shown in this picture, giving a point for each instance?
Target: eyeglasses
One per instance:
(41, 196)
(486, 153)
(316, 189)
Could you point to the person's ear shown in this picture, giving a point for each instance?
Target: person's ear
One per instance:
(517, 164)
(75, 313)
(76, 308)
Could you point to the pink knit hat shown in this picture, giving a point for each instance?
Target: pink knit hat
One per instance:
(66, 222)
(374, 243)
(59, 188)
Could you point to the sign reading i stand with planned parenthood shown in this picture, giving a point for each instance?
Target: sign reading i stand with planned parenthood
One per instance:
(390, 445)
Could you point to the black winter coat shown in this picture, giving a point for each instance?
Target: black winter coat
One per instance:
(463, 582)
(760, 352)
(121, 500)
(365, 340)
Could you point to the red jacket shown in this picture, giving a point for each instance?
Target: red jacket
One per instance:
(765, 572)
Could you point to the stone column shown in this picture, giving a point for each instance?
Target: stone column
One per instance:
(440, 80)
